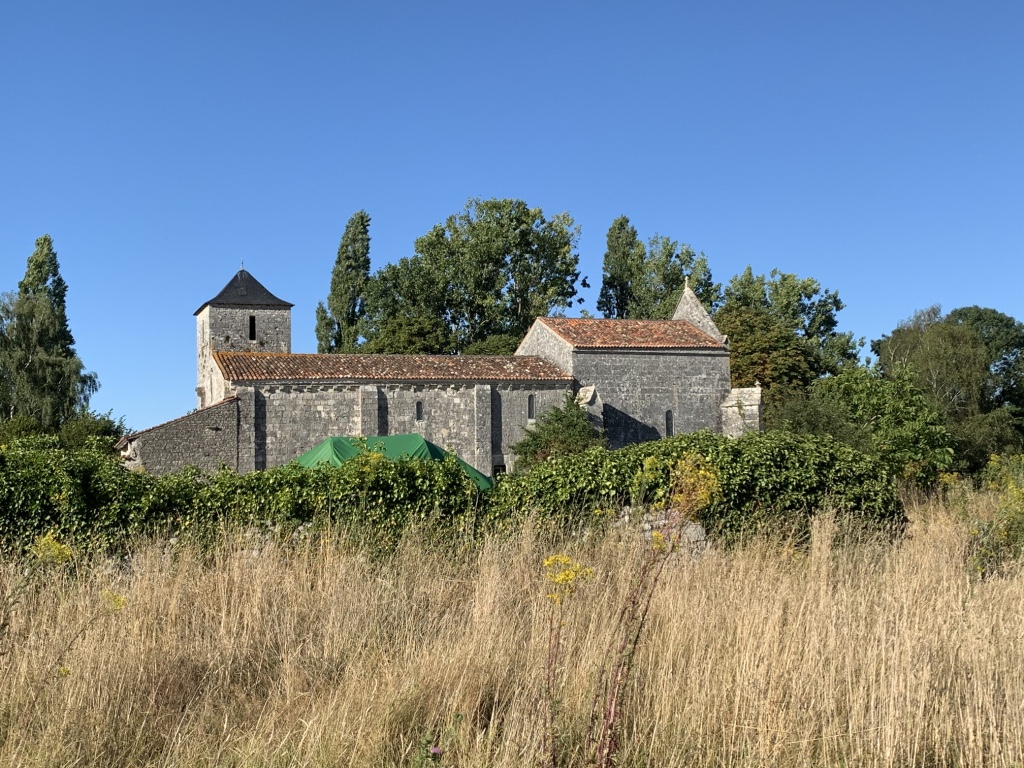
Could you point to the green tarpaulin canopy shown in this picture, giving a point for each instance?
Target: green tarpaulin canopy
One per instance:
(338, 450)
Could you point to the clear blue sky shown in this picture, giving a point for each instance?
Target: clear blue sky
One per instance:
(875, 146)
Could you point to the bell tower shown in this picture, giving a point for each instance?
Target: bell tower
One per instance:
(243, 317)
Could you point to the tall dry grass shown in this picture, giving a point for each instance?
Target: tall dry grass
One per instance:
(872, 654)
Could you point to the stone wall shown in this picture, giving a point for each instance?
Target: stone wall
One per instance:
(207, 439)
(479, 422)
(639, 388)
(226, 329)
(292, 418)
(510, 401)
(741, 411)
(541, 341)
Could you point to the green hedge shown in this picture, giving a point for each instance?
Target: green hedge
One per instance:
(767, 479)
(88, 497)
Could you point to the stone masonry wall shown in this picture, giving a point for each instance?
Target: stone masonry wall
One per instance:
(511, 401)
(741, 411)
(449, 416)
(207, 439)
(292, 418)
(542, 342)
(226, 329)
(638, 388)
(479, 422)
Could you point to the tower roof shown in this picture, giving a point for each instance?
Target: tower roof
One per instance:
(244, 290)
(692, 311)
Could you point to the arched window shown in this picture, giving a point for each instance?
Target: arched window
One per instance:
(531, 408)
(419, 410)
(669, 426)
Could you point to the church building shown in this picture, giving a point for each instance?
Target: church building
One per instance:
(261, 406)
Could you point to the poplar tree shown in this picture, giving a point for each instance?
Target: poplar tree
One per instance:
(42, 379)
(338, 323)
(645, 283)
(623, 266)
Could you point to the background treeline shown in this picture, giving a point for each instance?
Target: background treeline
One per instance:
(768, 480)
(940, 393)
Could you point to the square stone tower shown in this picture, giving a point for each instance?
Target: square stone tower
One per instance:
(243, 317)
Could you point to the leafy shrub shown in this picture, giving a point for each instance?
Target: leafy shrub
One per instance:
(768, 480)
(559, 432)
(1000, 541)
(87, 496)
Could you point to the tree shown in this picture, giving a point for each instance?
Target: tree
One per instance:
(765, 350)
(338, 323)
(558, 432)
(1003, 337)
(883, 416)
(646, 283)
(783, 330)
(42, 379)
(966, 364)
(489, 270)
(623, 262)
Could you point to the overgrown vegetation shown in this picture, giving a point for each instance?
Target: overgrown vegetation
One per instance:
(558, 432)
(306, 652)
(770, 481)
(86, 496)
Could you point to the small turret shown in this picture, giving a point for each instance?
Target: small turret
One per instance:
(692, 311)
(243, 317)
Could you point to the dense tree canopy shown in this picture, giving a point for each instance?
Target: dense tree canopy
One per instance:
(487, 271)
(645, 283)
(42, 380)
(1003, 337)
(883, 416)
(967, 364)
(783, 330)
(338, 323)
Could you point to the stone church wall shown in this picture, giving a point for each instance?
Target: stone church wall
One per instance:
(479, 422)
(542, 342)
(292, 418)
(510, 415)
(639, 388)
(207, 439)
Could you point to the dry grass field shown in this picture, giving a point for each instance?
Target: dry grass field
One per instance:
(866, 654)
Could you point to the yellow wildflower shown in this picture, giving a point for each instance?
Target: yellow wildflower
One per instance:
(113, 601)
(566, 575)
(658, 543)
(48, 551)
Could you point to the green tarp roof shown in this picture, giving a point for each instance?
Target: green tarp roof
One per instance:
(338, 450)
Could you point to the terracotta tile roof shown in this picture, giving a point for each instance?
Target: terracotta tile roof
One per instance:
(587, 333)
(267, 366)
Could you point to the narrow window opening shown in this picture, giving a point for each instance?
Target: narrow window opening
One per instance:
(419, 410)
(669, 427)
(252, 327)
(531, 408)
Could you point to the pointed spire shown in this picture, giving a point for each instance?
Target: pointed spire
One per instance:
(244, 290)
(690, 310)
